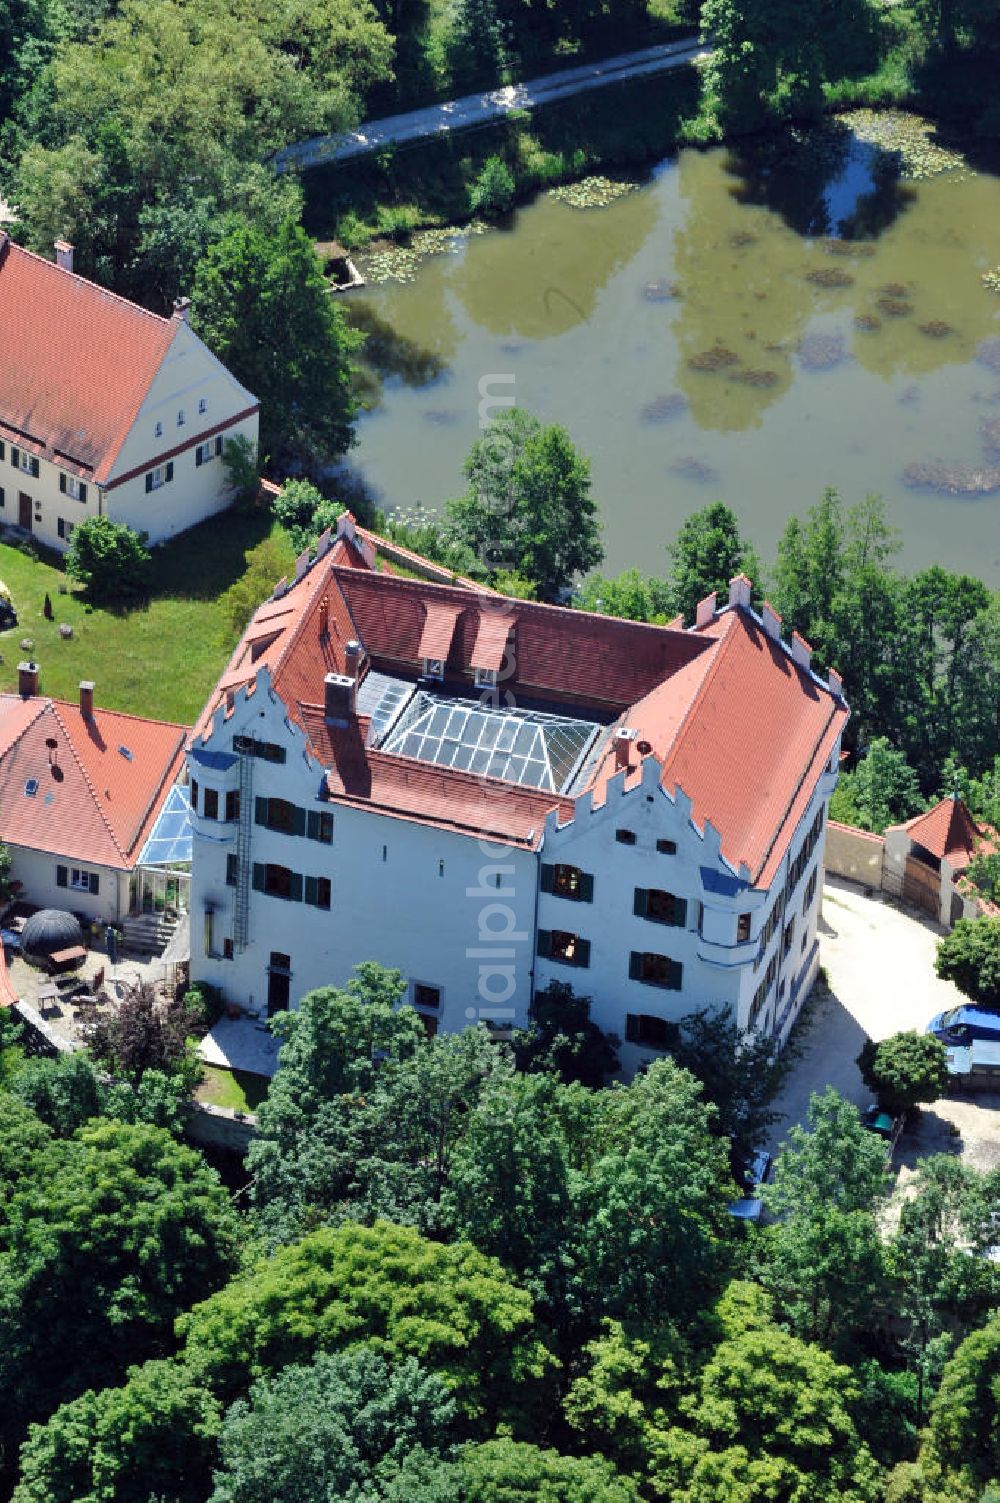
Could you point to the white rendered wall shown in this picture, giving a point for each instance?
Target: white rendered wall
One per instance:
(391, 901)
(711, 970)
(36, 870)
(48, 502)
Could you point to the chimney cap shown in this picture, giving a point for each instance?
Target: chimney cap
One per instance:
(182, 308)
(62, 245)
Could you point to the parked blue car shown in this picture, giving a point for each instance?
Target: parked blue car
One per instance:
(959, 1025)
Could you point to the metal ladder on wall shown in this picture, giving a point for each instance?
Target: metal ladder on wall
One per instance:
(241, 902)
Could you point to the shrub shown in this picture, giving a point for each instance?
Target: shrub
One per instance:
(970, 956)
(905, 1070)
(109, 559)
(242, 462)
(493, 191)
(143, 1034)
(304, 512)
(271, 560)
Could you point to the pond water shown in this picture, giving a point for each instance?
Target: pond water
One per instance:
(744, 327)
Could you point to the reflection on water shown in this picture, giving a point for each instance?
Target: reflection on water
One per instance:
(752, 325)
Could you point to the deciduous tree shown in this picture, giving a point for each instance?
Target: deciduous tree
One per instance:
(905, 1070)
(154, 1437)
(459, 1313)
(261, 303)
(708, 552)
(348, 1425)
(970, 956)
(111, 1234)
(528, 506)
(109, 559)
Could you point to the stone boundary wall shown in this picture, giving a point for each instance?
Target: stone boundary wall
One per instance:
(220, 1127)
(210, 1126)
(854, 854)
(40, 1037)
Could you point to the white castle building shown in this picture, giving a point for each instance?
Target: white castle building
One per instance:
(492, 794)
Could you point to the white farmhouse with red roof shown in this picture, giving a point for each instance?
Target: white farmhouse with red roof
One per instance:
(106, 408)
(492, 794)
(81, 790)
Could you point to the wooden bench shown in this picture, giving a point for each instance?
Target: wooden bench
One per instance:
(68, 959)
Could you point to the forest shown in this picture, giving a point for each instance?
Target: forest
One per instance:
(467, 1270)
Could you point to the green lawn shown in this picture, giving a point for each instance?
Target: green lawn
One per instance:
(234, 1089)
(160, 660)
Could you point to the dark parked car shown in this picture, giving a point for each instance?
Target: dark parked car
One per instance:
(960, 1025)
(881, 1123)
(750, 1206)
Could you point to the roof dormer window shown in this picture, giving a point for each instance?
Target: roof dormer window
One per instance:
(486, 678)
(434, 668)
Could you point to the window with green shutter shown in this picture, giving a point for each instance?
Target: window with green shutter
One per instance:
(655, 970)
(317, 891)
(565, 881)
(320, 826)
(568, 949)
(649, 1031)
(660, 907)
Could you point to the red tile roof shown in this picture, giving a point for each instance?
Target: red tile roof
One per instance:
(92, 803)
(947, 830)
(76, 362)
(439, 628)
(745, 733)
(742, 729)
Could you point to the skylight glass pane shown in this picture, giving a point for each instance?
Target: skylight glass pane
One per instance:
(530, 747)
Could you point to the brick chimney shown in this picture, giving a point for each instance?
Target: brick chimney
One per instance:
(64, 255)
(623, 742)
(340, 692)
(27, 680)
(182, 309)
(353, 653)
(87, 698)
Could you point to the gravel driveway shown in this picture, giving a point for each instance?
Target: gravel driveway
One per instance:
(879, 960)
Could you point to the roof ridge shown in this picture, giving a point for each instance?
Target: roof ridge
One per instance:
(28, 723)
(695, 699)
(475, 599)
(89, 282)
(86, 778)
(123, 714)
(292, 636)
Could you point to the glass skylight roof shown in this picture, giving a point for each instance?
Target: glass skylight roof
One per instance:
(170, 841)
(521, 746)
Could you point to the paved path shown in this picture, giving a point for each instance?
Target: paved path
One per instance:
(879, 959)
(480, 109)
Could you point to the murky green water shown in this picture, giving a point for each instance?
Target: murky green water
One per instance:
(750, 330)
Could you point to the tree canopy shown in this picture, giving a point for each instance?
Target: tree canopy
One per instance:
(261, 304)
(528, 506)
(970, 956)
